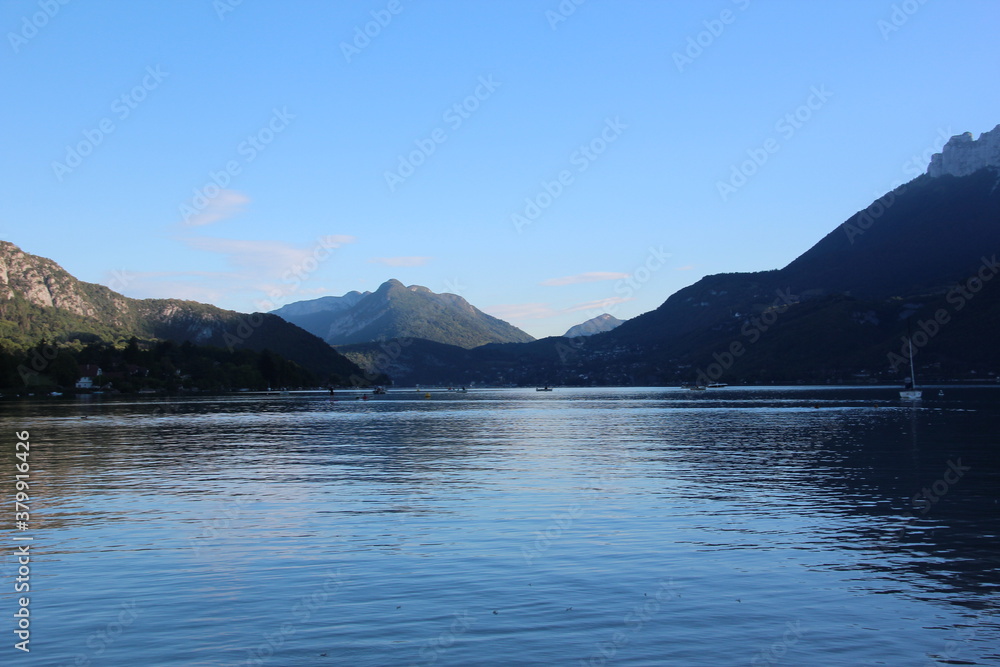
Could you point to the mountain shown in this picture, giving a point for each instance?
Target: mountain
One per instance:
(397, 311)
(314, 315)
(39, 300)
(919, 263)
(595, 325)
(843, 307)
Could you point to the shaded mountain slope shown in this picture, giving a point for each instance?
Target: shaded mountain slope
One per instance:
(397, 311)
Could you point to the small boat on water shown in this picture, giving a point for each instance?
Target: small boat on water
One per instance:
(911, 394)
(545, 388)
(695, 387)
(717, 385)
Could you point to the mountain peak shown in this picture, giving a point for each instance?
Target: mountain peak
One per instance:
(397, 311)
(595, 325)
(963, 155)
(392, 283)
(395, 289)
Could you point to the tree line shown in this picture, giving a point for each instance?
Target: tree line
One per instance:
(134, 365)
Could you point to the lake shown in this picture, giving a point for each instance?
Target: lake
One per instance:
(735, 526)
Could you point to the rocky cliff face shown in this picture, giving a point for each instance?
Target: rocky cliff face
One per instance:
(44, 283)
(963, 155)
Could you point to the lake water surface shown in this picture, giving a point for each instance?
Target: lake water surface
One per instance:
(739, 526)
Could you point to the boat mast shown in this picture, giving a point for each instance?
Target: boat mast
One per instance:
(913, 377)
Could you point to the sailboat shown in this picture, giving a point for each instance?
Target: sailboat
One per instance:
(911, 394)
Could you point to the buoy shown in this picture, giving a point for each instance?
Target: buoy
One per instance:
(427, 395)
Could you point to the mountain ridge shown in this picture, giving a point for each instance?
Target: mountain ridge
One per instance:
(39, 300)
(395, 310)
(922, 258)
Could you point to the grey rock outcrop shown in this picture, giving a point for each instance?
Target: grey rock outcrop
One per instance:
(963, 155)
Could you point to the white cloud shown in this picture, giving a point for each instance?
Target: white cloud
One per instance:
(542, 311)
(598, 304)
(264, 275)
(204, 286)
(521, 311)
(400, 261)
(224, 205)
(269, 259)
(591, 277)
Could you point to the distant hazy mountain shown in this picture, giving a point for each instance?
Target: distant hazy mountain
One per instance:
(323, 304)
(316, 315)
(595, 325)
(39, 300)
(397, 311)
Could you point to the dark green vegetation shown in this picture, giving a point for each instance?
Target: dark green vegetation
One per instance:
(40, 301)
(920, 260)
(137, 366)
(397, 311)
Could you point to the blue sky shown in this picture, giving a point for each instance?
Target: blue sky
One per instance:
(547, 161)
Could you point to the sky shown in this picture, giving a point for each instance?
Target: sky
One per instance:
(547, 160)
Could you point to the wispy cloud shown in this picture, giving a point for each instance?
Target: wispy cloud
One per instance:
(265, 259)
(263, 275)
(541, 311)
(598, 304)
(315, 290)
(521, 311)
(224, 205)
(400, 261)
(205, 286)
(591, 277)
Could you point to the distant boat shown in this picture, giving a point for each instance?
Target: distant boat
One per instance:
(911, 394)
(695, 387)
(379, 390)
(717, 385)
(545, 388)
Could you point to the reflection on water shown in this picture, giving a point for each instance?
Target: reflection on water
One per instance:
(594, 526)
